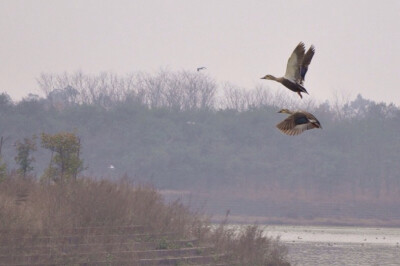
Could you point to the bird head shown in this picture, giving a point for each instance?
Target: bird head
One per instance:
(269, 77)
(285, 111)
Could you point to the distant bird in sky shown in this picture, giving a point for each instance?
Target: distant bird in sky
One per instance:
(111, 166)
(296, 69)
(297, 122)
(201, 68)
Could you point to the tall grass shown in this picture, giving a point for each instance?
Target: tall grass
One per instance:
(31, 210)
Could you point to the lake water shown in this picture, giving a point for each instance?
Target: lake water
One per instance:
(314, 245)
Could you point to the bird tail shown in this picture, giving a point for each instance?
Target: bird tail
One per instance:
(302, 89)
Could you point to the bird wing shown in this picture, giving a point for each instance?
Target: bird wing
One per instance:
(291, 132)
(296, 124)
(289, 127)
(294, 63)
(305, 63)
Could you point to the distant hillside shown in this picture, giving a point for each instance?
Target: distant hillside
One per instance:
(184, 136)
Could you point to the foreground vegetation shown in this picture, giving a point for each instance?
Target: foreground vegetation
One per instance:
(55, 221)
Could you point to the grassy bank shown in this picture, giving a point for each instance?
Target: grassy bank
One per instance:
(57, 222)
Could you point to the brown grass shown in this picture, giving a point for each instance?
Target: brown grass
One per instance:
(89, 212)
(249, 246)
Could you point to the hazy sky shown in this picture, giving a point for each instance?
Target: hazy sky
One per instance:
(357, 42)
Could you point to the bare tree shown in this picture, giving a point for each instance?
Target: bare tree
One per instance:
(339, 103)
(178, 90)
(199, 90)
(242, 99)
(46, 83)
(234, 98)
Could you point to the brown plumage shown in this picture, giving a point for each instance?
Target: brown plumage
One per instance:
(296, 69)
(297, 122)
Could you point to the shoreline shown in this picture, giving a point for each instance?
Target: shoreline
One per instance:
(350, 222)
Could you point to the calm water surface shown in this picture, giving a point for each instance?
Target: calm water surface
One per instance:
(314, 245)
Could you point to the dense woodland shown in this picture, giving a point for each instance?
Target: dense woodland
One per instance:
(182, 130)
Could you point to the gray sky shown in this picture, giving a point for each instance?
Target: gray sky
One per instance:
(357, 42)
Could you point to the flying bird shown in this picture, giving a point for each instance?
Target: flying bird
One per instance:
(296, 69)
(201, 68)
(297, 122)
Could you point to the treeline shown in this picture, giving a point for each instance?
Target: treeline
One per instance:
(183, 130)
(181, 91)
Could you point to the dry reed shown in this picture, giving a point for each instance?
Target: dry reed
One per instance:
(94, 218)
